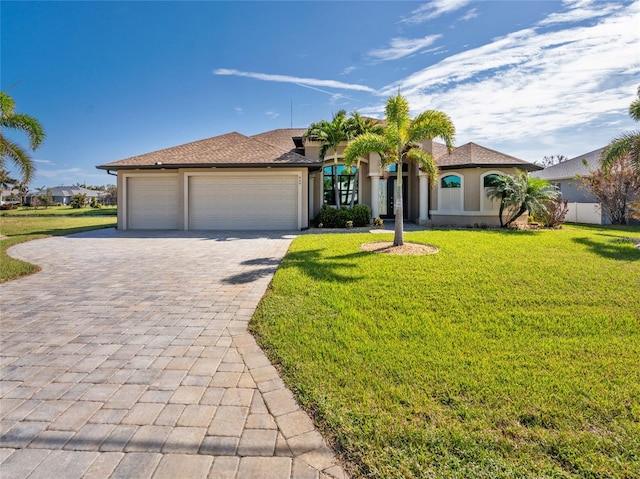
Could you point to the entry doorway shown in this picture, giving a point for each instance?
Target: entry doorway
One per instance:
(387, 197)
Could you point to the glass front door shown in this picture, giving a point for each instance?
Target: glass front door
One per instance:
(387, 197)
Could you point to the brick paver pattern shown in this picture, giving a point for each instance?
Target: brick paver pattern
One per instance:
(128, 356)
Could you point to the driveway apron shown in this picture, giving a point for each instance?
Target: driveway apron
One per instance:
(128, 356)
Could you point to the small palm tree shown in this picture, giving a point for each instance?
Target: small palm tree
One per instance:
(399, 143)
(18, 121)
(627, 144)
(520, 193)
(331, 135)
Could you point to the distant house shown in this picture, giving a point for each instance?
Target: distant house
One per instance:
(564, 176)
(276, 181)
(8, 195)
(64, 194)
(583, 206)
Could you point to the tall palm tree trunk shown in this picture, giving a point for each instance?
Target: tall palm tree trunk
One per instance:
(336, 185)
(355, 187)
(398, 237)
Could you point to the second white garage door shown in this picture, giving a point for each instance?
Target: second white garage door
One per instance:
(243, 202)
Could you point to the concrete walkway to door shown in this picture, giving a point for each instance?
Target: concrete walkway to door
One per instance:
(128, 356)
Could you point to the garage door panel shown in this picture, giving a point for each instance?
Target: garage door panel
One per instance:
(243, 203)
(152, 203)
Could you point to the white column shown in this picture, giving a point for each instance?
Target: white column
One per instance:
(375, 171)
(424, 198)
(375, 195)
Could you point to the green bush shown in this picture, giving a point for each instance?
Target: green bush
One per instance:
(79, 200)
(329, 217)
(361, 215)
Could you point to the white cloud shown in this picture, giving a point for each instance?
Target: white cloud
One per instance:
(44, 162)
(402, 47)
(529, 84)
(473, 13)
(434, 9)
(272, 114)
(239, 110)
(348, 70)
(335, 97)
(292, 79)
(581, 10)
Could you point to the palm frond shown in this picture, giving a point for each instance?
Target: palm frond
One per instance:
(425, 162)
(626, 145)
(363, 145)
(397, 112)
(433, 124)
(634, 110)
(21, 158)
(28, 124)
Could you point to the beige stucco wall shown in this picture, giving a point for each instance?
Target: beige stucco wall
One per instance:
(473, 213)
(184, 173)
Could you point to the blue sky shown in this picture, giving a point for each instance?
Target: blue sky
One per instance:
(110, 80)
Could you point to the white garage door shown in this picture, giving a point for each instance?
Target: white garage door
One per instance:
(243, 202)
(152, 202)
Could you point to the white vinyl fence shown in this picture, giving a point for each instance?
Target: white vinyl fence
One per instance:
(584, 213)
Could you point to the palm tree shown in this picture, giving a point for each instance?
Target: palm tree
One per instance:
(399, 142)
(359, 125)
(18, 121)
(519, 193)
(6, 182)
(627, 144)
(330, 135)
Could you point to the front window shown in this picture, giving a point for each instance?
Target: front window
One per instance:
(450, 193)
(346, 185)
(487, 204)
(490, 181)
(451, 181)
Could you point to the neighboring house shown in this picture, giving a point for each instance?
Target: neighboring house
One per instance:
(8, 195)
(64, 194)
(564, 176)
(276, 181)
(583, 206)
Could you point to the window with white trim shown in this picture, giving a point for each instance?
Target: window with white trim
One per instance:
(488, 204)
(450, 193)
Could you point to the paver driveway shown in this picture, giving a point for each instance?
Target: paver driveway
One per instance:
(128, 356)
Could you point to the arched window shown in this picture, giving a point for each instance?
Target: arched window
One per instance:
(346, 184)
(488, 180)
(450, 193)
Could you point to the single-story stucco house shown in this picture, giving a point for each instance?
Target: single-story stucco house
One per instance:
(64, 194)
(276, 181)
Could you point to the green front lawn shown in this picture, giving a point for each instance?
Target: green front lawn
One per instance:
(61, 211)
(509, 354)
(20, 229)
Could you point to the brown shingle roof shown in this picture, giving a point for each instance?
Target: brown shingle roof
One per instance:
(473, 155)
(281, 138)
(231, 149)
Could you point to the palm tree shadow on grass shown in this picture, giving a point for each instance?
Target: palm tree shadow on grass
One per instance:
(320, 268)
(617, 248)
(311, 263)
